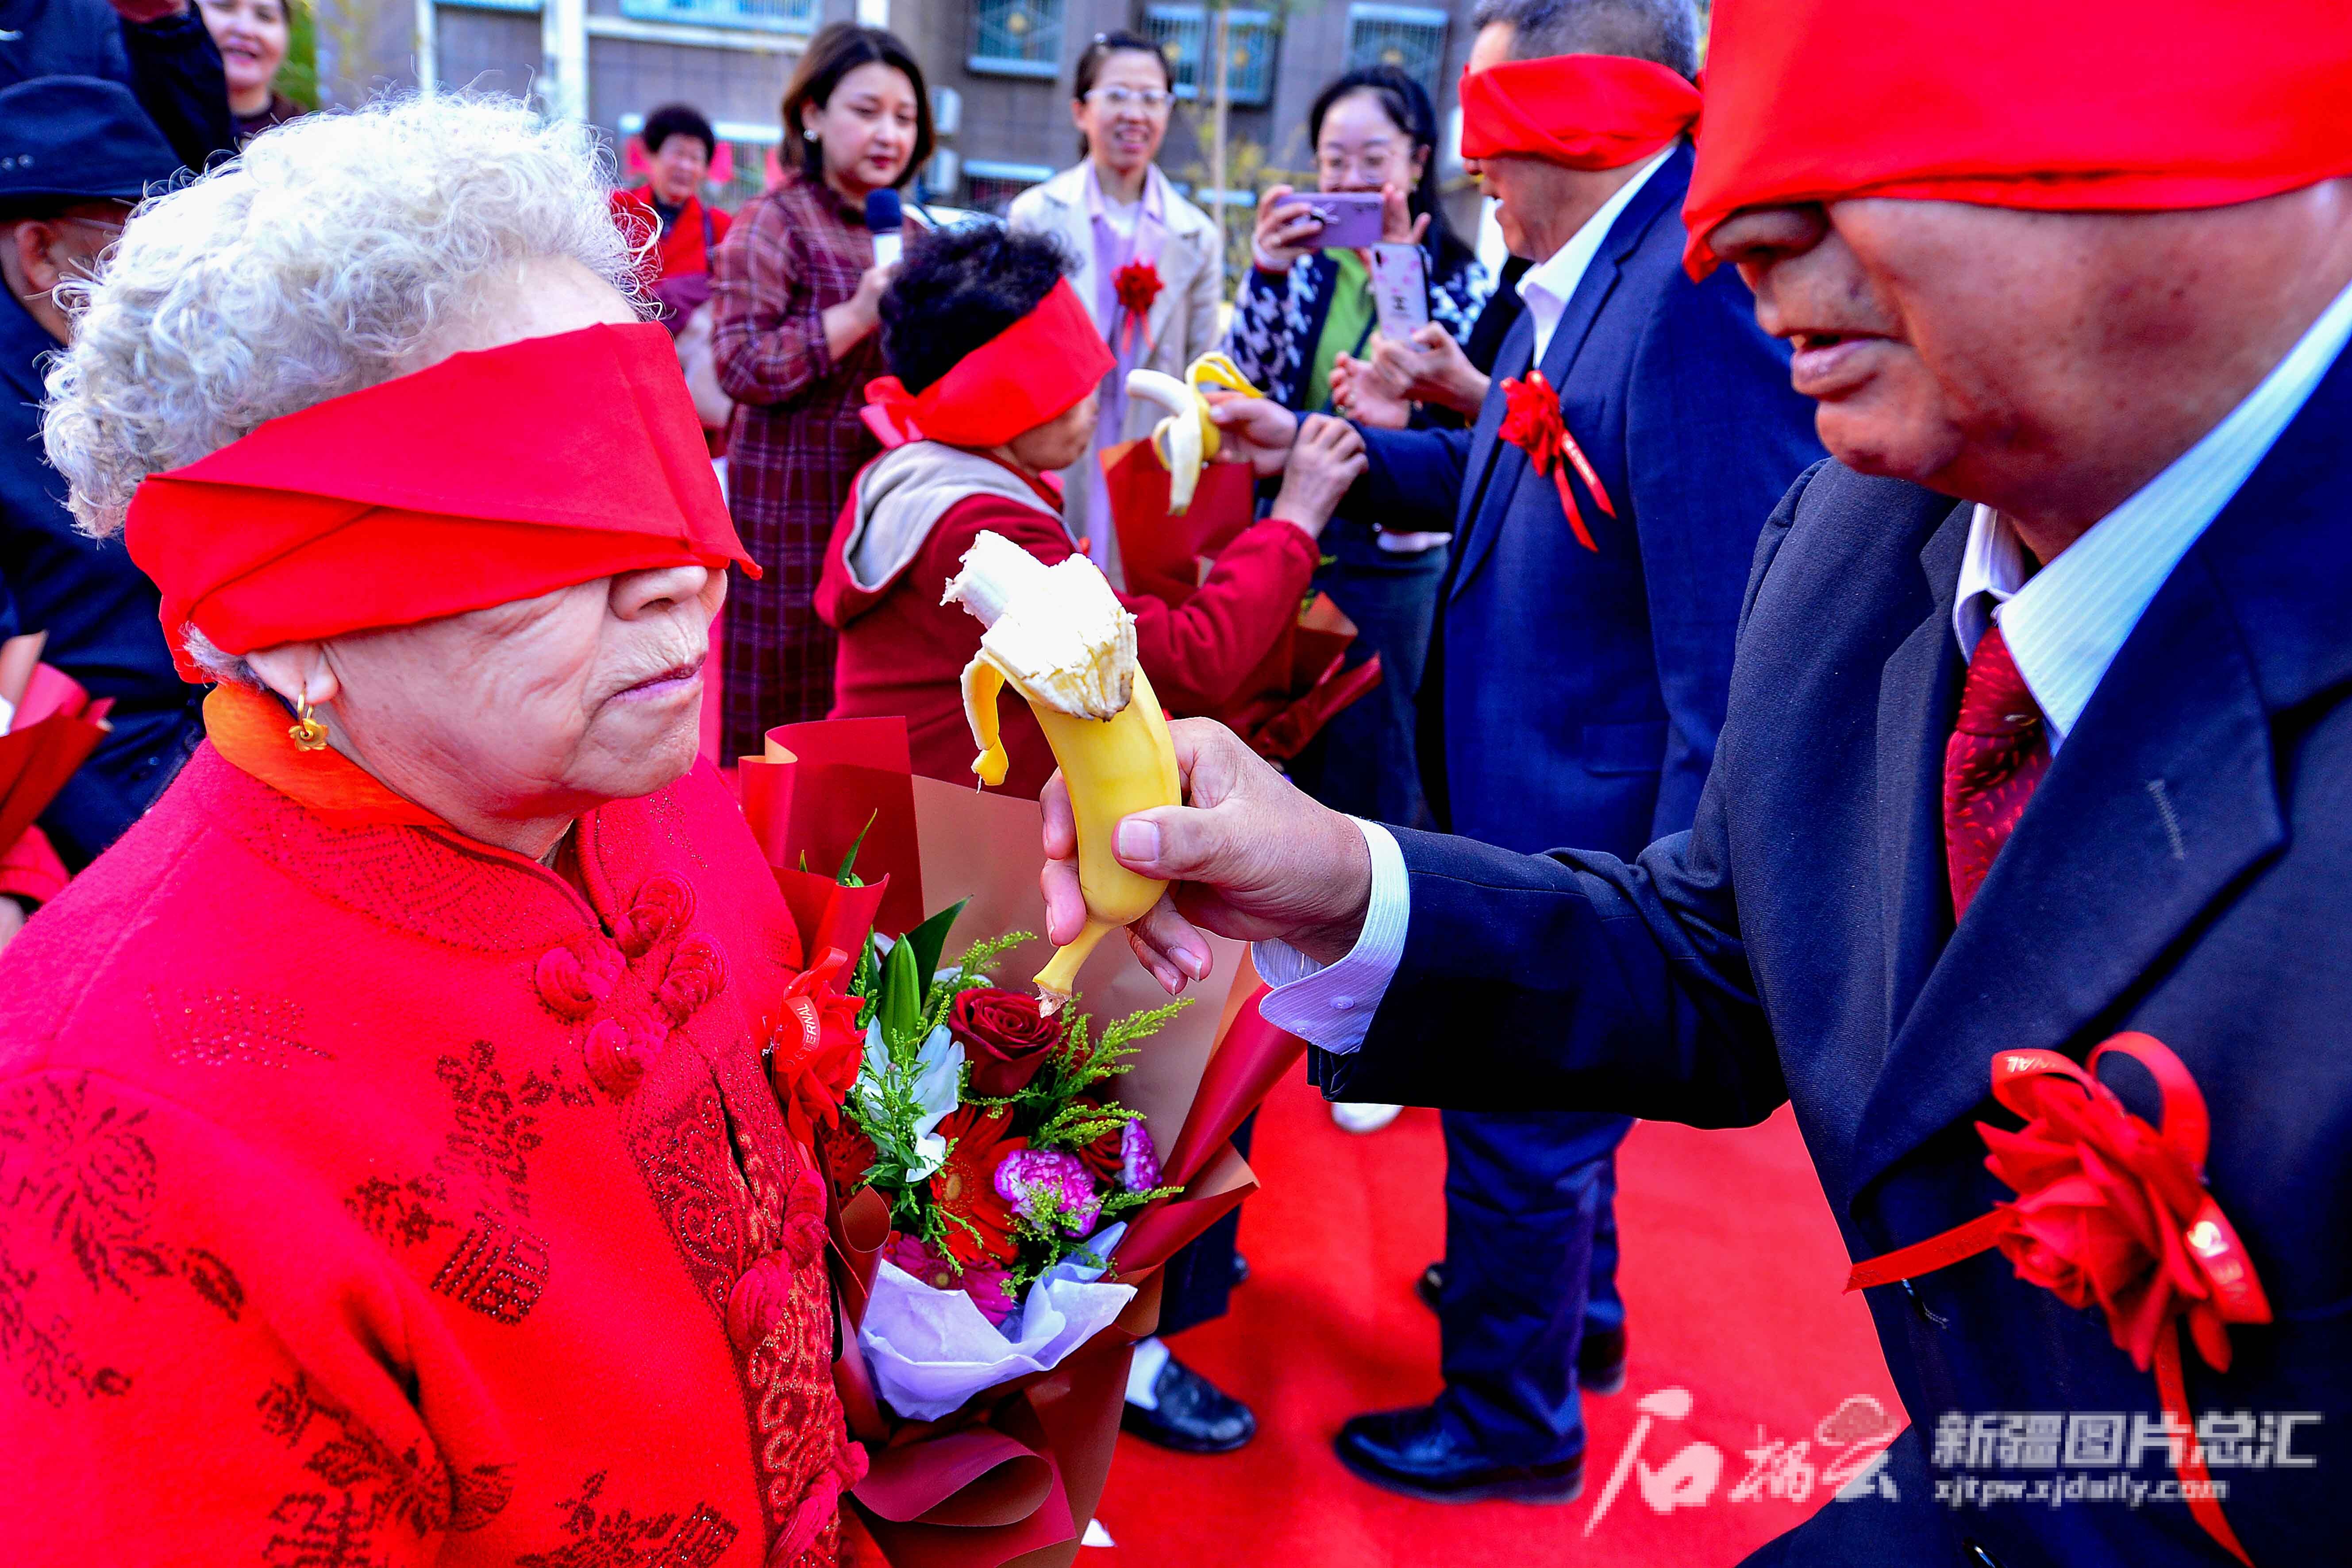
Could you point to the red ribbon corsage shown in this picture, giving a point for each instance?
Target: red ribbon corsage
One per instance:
(1532, 423)
(1137, 285)
(2111, 1211)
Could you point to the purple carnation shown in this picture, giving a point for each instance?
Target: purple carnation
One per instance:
(1139, 1162)
(1049, 1189)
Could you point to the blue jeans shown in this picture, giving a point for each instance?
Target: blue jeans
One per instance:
(1530, 1261)
(1364, 763)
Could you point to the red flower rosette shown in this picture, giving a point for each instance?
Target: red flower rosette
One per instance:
(815, 1050)
(1533, 423)
(2111, 1212)
(1005, 1037)
(1137, 285)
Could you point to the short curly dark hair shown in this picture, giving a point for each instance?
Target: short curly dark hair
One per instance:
(958, 289)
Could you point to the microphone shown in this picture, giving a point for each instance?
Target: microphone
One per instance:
(885, 217)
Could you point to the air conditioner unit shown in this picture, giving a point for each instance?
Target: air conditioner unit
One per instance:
(947, 110)
(942, 174)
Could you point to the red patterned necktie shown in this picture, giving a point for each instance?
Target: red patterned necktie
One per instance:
(1999, 751)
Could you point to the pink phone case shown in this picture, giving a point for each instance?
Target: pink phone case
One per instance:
(1350, 218)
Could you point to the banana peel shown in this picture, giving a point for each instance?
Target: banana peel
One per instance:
(1187, 439)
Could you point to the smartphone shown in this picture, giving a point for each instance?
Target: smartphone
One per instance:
(1399, 290)
(1350, 219)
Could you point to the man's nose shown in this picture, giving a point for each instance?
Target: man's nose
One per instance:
(656, 588)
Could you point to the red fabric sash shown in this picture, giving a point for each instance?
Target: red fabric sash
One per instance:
(1029, 374)
(490, 477)
(2113, 1211)
(1582, 111)
(2099, 105)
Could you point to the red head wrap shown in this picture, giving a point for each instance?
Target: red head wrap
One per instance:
(489, 477)
(2094, 106)
(1032, 372)
(1580, 112)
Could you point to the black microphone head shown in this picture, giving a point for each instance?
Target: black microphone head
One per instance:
(882, 211)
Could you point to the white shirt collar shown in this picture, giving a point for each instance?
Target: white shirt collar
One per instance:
(1550, 286)
(2066, 623)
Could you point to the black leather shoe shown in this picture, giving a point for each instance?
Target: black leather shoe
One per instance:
(1194, 1416)
(1600, 1355)
(1416, 1452)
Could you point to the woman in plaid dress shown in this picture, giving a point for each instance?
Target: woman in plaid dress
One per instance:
(795, 289)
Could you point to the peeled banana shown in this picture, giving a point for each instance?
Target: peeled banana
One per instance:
(1059, 637)
(1188, 437)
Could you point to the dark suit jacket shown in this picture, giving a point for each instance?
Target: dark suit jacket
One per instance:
(172, 66)
(2185, 868)
(100, 612)
(1574, 697)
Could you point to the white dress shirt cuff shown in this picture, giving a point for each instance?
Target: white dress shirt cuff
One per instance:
(1332, 1007)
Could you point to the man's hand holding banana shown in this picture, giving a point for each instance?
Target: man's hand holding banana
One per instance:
(1249, 856)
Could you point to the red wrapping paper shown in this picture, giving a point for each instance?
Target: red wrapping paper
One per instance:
(56, 727)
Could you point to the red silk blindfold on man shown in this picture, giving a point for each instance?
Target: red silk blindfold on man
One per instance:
(1580, 112)
(1029, 374)
(2153, 106)
(491, 477)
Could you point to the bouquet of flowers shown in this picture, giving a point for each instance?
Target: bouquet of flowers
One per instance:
(1003, 1187)
(1008, 1166)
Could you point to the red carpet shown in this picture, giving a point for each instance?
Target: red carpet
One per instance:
(1743, 1312)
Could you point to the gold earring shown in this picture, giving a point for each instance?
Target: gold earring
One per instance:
(307, 734)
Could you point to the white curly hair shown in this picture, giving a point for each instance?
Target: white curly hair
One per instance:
(313, 265)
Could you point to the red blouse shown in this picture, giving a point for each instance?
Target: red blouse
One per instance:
(686, 247)
(370, 1196)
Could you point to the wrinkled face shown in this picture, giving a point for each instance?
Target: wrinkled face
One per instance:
(867, 127)
(252, 37)
(1124, 117)
(679, 166)
(543, 706)
(540, 707)
(1960, 346)
(1361, 149)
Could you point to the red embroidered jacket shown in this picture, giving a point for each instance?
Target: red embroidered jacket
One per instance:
(369, 1197)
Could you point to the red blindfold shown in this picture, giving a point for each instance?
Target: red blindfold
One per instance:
(488, 477)
(1029, 374)
(1582, 111)
(2096, 105)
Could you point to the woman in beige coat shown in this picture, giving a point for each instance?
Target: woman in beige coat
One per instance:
(1147, 260)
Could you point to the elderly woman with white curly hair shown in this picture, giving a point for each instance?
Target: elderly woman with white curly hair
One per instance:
(388, 1170)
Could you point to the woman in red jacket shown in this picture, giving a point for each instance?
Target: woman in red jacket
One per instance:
(388, 1169)
(996, 365)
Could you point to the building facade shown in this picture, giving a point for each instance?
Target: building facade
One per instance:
(1000, 72)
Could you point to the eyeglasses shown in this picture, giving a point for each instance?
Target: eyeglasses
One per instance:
(1152, 100)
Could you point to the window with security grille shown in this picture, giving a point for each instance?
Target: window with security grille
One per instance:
(772, 16)
(990, 186)
(1410, 37)
(1017, 37)
(1184, 33)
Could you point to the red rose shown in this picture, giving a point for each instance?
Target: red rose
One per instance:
(1005, 1038)
(965, 1187)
